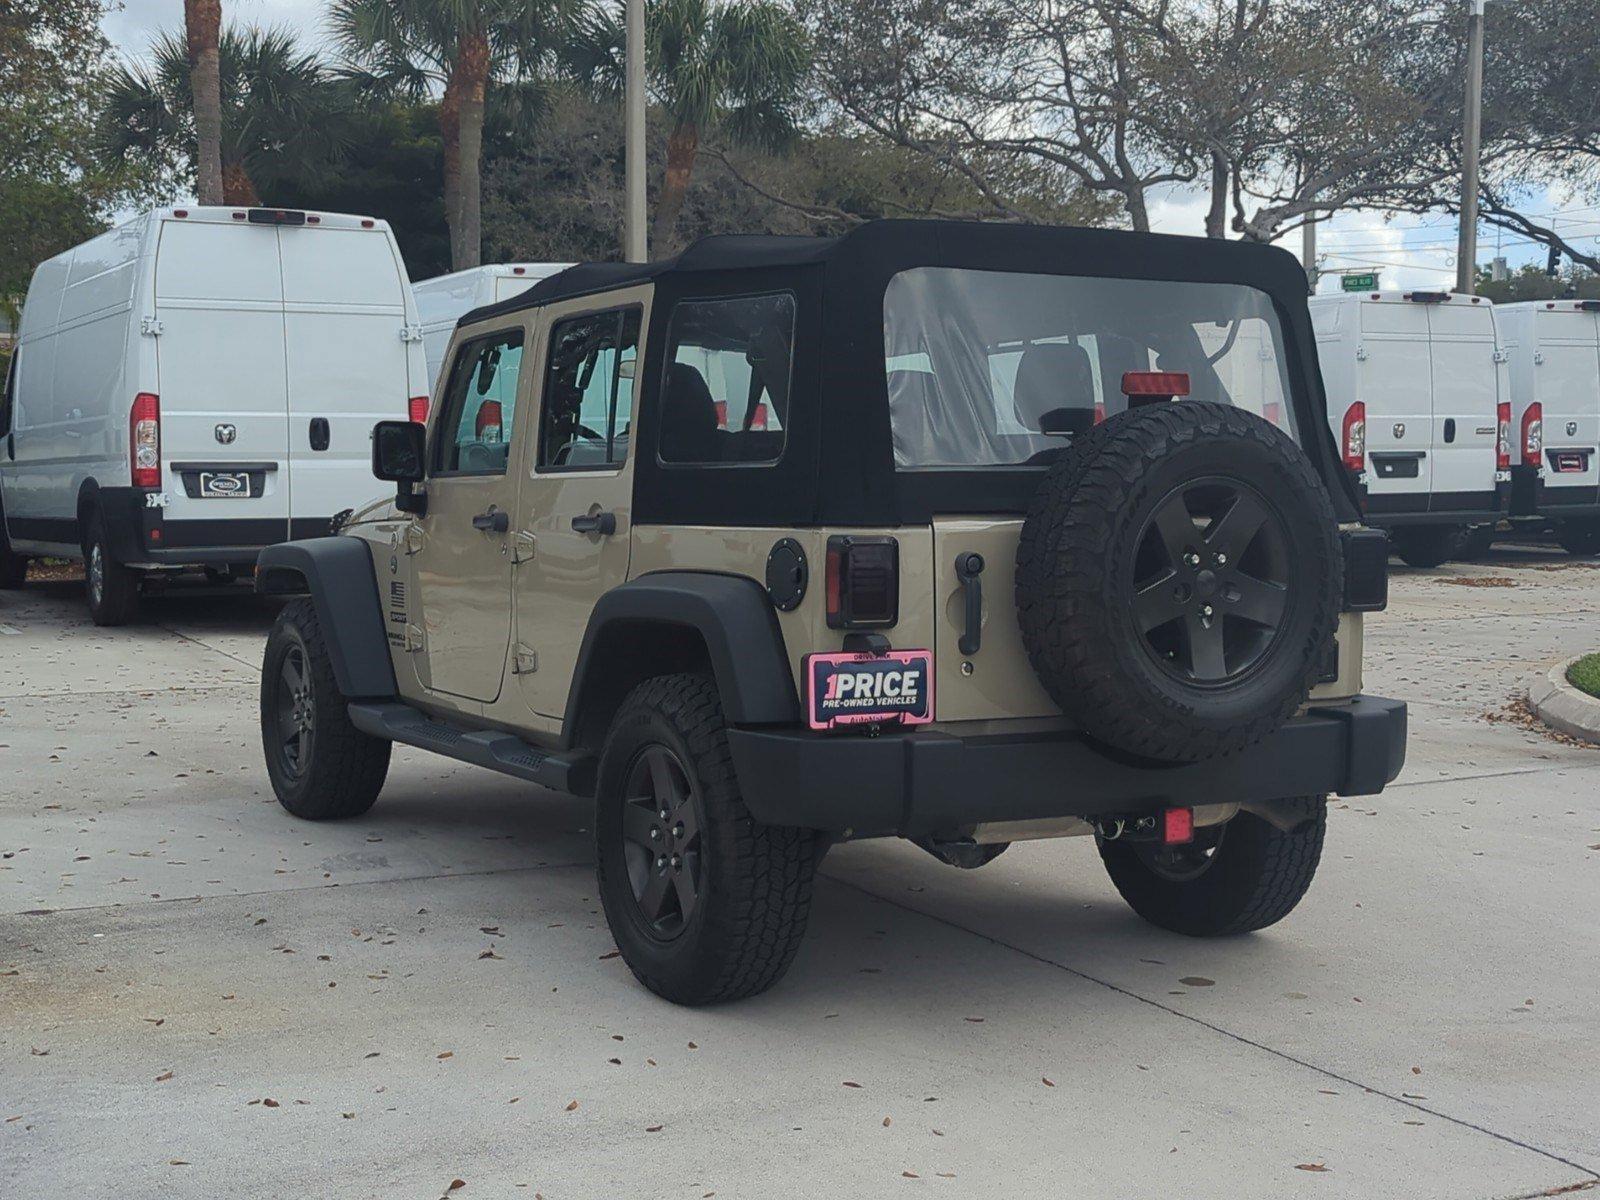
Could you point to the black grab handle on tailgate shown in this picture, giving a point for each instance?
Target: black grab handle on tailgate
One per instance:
(969, 566)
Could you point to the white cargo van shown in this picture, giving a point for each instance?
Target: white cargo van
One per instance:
(1418, 401)
(445, 299)
(1554, 347)
(199, 383)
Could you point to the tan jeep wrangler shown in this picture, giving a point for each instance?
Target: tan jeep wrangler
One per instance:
(958, 533)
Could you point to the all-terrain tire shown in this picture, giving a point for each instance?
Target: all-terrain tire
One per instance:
(1427, 546)
(1256, 875)
(111, 589)
(752, 881)
(1581, 539)
(1080, 552)
(336, 771)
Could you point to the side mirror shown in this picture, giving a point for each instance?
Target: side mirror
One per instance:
(399, 449)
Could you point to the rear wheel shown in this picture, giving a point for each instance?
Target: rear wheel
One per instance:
(1579, 538)
(13, 566)
(1233, 878)
(322, 767)
(1478, 542)
(1427, 546)
(706, 903)
(111, 588)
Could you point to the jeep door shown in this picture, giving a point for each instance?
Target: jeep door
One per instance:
(461, 560)
(571, 539)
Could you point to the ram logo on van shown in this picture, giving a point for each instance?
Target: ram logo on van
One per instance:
(226, 433)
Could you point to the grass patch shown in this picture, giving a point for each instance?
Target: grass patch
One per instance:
(1585, 674)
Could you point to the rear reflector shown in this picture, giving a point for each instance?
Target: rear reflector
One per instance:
(1155, 383)
(1177, 826)
(417, 409)
(276, 216)
(144, 440)
(862, 582)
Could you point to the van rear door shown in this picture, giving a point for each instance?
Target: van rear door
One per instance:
(1566, 375)
(224, 436)
(344, 296)
(1467, 387)
(1394, 376)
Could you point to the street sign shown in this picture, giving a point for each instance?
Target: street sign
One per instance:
(1365, 282)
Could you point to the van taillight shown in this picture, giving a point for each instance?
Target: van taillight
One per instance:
(758, 419)
(862, 582)
(1353, 441)
(1532, 434)
(1502, 445)
(144, 440)
(417, 407)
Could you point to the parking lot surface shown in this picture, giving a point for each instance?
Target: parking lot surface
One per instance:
(202, 997)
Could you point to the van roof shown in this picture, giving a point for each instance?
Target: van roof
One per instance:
(240, 215)
(1402, 296)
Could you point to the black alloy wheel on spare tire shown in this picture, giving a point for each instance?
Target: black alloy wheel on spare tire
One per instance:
(1178, 581)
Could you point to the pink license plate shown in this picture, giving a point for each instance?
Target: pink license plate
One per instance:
(869, 689)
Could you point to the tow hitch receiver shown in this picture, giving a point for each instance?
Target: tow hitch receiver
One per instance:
(1171, 827)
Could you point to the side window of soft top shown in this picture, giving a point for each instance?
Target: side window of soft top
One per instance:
(725, 398)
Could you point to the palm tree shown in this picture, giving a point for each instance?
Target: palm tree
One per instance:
(735, 67)
(202, 21)
(284, 115)
(466, 48)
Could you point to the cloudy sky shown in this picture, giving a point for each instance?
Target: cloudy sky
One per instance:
(1409, 252)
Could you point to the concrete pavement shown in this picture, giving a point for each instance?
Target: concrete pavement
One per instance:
(425, 993)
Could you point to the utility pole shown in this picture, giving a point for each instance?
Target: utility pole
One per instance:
(1471, 137)
(634, 245)
(1308, 254)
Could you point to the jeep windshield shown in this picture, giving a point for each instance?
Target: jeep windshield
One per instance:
(997, 369)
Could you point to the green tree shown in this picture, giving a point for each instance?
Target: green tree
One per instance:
(469, 49)
(284, 116)
(202, 25)
(53, 63)
(738, 69)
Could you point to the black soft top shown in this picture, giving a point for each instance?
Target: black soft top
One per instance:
(838, 465)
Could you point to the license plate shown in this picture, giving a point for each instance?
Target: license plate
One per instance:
(1569, 462)
(225, 485)
(868, 689)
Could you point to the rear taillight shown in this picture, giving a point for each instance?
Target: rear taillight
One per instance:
(1272, 411)
(721, 407)
(1502, 444)
(489, 422)
(417, 408)
(1353, 440)
(144, 440)
(1532, 434)
(758, 419)
(862, 582)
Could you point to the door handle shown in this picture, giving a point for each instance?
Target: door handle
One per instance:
(602, 524)
(319, 434)
(969, 567)
(493, 521)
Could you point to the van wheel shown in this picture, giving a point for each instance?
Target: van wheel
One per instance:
(706, 903)
(13, 566)
(112, 589)
(1233, 878)
(1426, 546)
(1581, 539)
(1478, 542)
(322, 767)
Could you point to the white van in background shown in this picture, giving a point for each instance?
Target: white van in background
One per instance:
(1554, 346)
(1418, 400)
(445, 299)
(199, 383)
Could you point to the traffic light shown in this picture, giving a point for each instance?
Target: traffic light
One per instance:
(1552, 266)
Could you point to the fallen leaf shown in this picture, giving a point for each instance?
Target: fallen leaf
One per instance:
(850, 1083)
(887, 1122)
(692, 1046)
(348, 1116)
(457, 1184)
(573, 1107)
(653, 1128)
(1197, 981)
(177, 1162)
(974, 1020)
(489, 953)
(1047, 1081)
(1317, 1167)
(164, 1078)
(446, 1054)
(910, 1175)
(269, 1102)
(613, 954)
(1416, 1070)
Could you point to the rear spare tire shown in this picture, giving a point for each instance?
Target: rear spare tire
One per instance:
(1178, 586)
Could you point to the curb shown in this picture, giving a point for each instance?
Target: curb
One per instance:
(1563, 707)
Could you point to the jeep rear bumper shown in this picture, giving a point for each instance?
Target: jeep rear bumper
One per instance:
(931, 782)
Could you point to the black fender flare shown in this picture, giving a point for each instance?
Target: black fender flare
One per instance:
(732, 615)
(337, 573)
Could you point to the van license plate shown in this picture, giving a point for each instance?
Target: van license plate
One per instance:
(225, 485)
(860, 689)
(1571, 461)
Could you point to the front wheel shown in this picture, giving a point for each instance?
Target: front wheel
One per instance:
(706, 903)
(1233, 878)
(322, 767)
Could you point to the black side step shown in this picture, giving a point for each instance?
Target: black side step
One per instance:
(563, 771)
